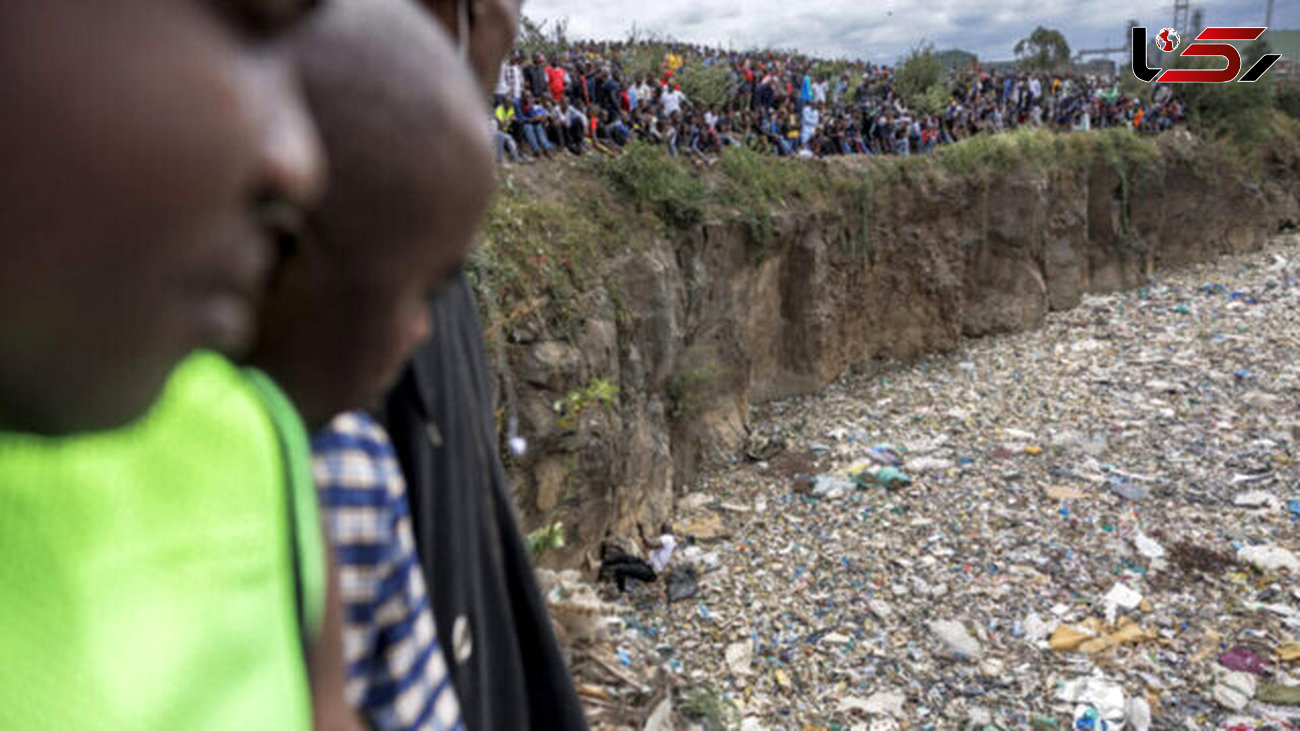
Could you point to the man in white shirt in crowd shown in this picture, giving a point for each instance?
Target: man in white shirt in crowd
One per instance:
(510, 82)
(574, 126)
(672, 101)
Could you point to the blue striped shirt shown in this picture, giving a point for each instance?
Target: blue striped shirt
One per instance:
(397, 674)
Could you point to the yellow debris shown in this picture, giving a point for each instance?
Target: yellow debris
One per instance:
(1067, 638)
(1065, 493)
(1209, 644)
(1091, 637)
(707, 528)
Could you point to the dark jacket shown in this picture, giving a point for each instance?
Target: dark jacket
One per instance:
(535, 78)
(440, 419)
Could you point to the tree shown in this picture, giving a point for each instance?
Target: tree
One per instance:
(1044, 50)
(1240, 111)
(920, 80)
(714, 84)
(534, 38)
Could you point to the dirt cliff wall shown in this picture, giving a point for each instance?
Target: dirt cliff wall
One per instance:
(642, 369)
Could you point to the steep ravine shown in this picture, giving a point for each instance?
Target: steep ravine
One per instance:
(701, 322)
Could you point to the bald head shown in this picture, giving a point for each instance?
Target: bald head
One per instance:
(410, 173)
(396, 107)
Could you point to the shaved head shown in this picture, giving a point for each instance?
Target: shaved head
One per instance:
(410, 172)
(389, 94)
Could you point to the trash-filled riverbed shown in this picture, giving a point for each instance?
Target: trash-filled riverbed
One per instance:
(1093, 525)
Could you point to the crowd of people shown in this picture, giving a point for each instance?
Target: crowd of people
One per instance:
(586, 98)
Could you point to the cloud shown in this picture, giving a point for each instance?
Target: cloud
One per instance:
(884, 30)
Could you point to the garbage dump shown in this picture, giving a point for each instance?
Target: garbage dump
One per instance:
(1091, 526)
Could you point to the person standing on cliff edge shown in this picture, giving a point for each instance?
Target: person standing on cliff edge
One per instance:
(505, 663)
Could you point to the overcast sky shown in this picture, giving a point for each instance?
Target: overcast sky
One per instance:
(882, 30)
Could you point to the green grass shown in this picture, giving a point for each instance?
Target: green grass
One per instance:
(550, 248)
(705, 704)
(753, 185)
(599, 392)
(657, 182)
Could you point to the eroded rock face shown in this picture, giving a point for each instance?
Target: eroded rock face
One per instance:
(699, 326)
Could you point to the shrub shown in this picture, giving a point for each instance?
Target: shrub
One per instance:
(920, 72)
(1237, 111)
(544, 539)
(657, 182)
(570, 409)
(714, 84)
(1288, 98)
(705, 705)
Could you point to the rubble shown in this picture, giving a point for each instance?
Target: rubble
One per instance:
(1093, 527)
(1270, 558)
(956, 639)
(619, 675)
(1234, 691)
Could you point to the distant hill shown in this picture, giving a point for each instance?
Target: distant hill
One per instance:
(955, 58)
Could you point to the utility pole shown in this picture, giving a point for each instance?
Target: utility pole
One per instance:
(1268, 19)
(1182, 15)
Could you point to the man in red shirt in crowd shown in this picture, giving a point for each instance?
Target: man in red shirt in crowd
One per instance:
(555, 78)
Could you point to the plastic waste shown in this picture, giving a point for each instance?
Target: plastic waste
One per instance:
(1099, 703)
(1138, 714)
(890, 478)
(1148, 547)
(956, 638)
(1129, 490)
(1256, 499)
(886, 455)
(681, 583)
(1234, 691)
(1281, 695)
(832, 486)
(1147, 437)
(1242, 659)
(1270, 558)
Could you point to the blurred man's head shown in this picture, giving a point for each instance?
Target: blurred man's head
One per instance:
(484, 29)
(141, 141)
(410, 176)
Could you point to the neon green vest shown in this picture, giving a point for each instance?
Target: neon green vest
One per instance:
(146, 574)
